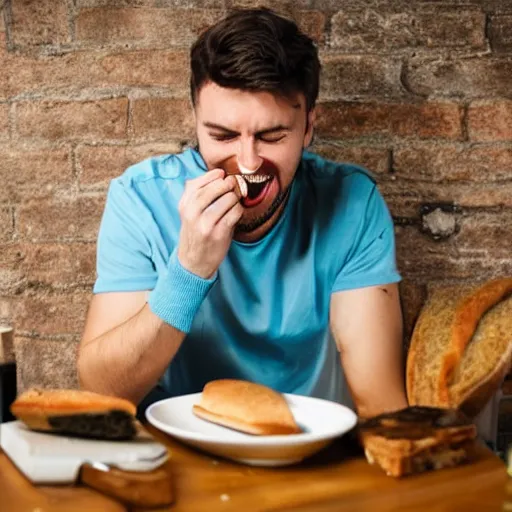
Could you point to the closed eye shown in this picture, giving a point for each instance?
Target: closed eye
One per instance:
(228, 137)
(272, 139)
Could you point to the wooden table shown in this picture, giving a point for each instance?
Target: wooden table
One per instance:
(338, 478)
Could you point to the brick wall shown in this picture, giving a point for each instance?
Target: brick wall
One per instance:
(419, 92)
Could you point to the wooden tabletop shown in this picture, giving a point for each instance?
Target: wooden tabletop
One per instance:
(338, 478)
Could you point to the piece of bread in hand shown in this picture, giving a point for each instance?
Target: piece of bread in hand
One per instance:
(247, 407)
(76, 413)
(417, 439)
(461, 347)
(241, 186)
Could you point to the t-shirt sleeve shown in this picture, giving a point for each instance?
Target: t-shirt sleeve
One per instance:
(372, 259)
(123, 258)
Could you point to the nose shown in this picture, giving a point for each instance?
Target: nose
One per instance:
(248, 159)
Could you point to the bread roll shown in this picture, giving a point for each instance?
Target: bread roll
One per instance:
(245, 406)
(75, 412)
(461, 346)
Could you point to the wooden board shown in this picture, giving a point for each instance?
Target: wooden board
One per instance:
(337, 478)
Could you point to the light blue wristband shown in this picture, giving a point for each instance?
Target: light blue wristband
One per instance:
(178, 294)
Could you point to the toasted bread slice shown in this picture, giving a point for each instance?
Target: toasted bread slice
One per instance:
(75, 412)
(245, 406)
(417, 439)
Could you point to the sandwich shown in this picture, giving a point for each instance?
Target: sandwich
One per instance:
(76, 413)
(417, 439)
(247, 407)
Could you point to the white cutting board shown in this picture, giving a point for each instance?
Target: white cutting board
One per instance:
(51, 458)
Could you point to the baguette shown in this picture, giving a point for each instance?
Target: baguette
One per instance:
(247, 407)
(417, 439)
(461, 346)
(76, 413)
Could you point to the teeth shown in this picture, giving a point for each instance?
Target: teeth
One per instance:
(257, 178)
(242, 185)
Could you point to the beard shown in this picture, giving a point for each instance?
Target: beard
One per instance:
(253, 224)
(230, 166)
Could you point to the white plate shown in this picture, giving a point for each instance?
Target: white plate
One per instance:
(321, 421)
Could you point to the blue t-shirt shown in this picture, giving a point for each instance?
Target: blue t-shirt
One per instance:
(266, 318)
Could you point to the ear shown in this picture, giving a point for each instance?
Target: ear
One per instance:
(311, 120)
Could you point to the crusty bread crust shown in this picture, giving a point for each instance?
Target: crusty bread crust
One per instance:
(246, 406)
(466, 318)
(411, 364)
(76, 413)
(486, 360)
(65, 402)
(455, 327)
(475, 399)
(432, 334)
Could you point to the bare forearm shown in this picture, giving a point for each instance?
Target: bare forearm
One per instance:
(128, 360)
(367, 325)
(378, 388)
(375, 373)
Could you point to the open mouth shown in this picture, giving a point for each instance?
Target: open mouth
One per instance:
(257, 189)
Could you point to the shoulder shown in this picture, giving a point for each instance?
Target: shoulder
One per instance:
(152, 188)
(343, 182)
(161, 169)
(157, 183)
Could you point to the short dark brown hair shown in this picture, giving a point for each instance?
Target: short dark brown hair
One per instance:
(258, 50)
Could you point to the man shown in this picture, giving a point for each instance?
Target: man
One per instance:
(202, 276)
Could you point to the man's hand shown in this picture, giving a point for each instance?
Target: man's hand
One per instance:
(209, 209)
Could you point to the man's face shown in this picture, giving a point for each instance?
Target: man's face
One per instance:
(261, 136)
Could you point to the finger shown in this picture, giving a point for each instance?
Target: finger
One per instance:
(214, 213)
(233, 216)
(203, 180)
(239, 185)
(208, 177)
(194, 201)
(209, 194)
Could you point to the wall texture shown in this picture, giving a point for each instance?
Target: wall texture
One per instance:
(419, 92)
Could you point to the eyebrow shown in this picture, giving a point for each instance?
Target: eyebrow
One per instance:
(278, 128)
